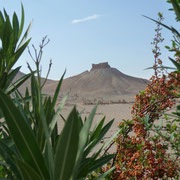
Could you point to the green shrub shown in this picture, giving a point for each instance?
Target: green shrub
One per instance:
(32, 147)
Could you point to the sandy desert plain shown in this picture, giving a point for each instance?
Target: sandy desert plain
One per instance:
(118, 112)
(114, 90)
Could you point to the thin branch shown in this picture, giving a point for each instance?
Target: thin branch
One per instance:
(50, 64)
(31, 55)
(35, 52)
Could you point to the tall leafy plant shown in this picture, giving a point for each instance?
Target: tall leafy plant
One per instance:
(39, 150)
(144, 155)
(13, 44)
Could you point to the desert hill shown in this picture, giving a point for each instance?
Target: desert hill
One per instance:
(102, 81)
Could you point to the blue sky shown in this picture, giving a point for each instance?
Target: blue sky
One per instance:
(83, 32)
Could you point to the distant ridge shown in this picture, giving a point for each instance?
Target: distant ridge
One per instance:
(102, 81)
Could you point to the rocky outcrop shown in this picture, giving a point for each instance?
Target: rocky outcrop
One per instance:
(100, 66)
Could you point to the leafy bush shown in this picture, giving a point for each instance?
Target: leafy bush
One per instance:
(31, 147)
(30, 144)
(11, 49)
(144, 155)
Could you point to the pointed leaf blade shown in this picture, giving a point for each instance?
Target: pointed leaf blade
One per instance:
(67, 148)
(18, 83)
(57, 91)
(23, 136)
(101, 177)
(27, 172)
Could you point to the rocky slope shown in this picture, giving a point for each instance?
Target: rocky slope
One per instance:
(101, 82)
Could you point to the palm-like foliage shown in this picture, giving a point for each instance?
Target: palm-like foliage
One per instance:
(12, 47)
(49, 155)
(37, 150)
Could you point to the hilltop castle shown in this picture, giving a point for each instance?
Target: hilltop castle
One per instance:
(100, 66)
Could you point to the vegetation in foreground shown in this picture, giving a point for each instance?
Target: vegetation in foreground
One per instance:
(32, 148)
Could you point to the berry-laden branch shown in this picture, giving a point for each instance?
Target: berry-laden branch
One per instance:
(142, 155)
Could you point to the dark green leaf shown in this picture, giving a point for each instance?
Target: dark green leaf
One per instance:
(23, 136)
(99, 138)
(7, 155)
(18, 83)
(11, 76)
(56, 115)
(101, 177)
(22, 21)
(15, 27)
(84, 133)
(100, 162)
(27, 172)
(176, 8)
(67, 148)
(90, 165)
(25, 36)
(17, 54)
(97, 130)
(57, 91)
(173, 30)
(175, 63)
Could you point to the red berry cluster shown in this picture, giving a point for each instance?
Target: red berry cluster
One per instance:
(142, 159)
(142, 155)
(158, 96)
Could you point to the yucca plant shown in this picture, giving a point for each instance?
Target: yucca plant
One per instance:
(12, 47)
(38, 150)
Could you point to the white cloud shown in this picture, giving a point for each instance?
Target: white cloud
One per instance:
(95, 16)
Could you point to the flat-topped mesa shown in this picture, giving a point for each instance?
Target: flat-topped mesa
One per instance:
(100, 66)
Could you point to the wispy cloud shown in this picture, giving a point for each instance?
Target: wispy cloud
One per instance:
(95, 16)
